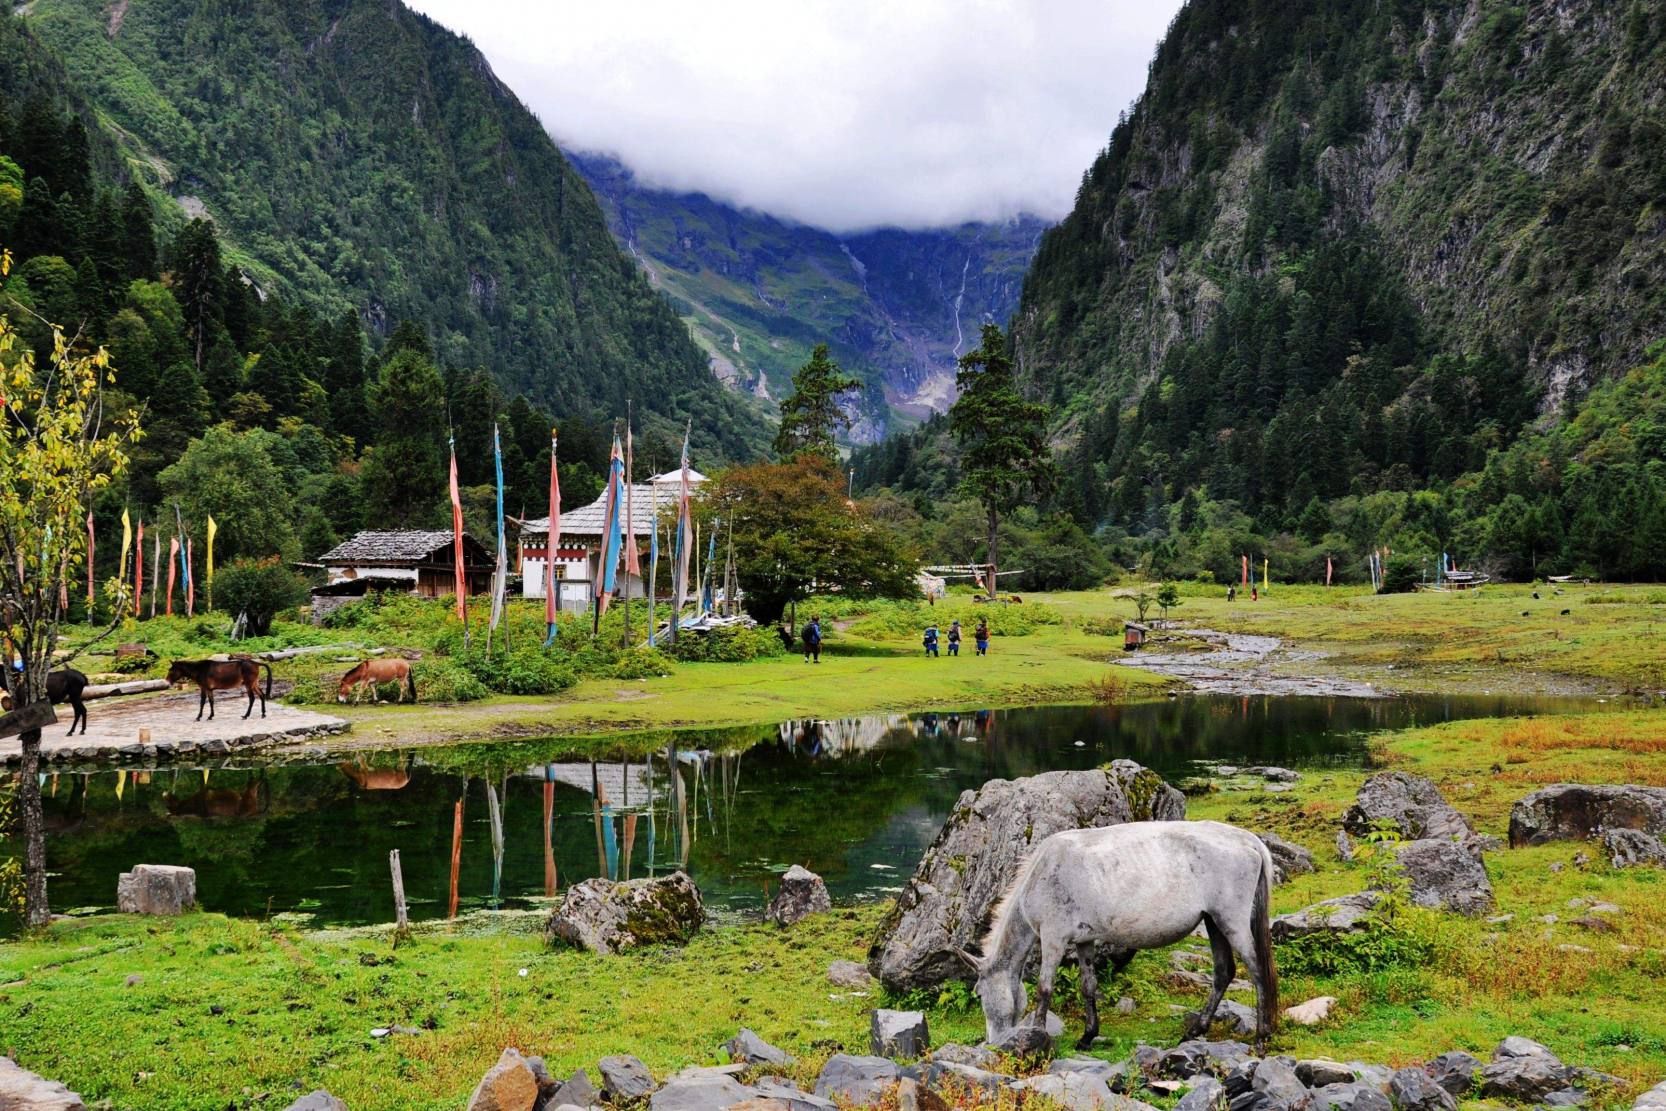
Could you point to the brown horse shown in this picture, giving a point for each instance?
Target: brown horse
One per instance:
(223, 675)
(370, 673)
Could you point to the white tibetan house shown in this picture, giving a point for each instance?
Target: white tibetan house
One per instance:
(579, 557)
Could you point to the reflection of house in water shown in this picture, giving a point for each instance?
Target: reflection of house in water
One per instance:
(818, 737)
(618, 782)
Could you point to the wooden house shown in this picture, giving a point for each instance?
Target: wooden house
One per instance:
(416, 561)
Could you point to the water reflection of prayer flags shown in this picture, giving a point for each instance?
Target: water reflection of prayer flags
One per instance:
(121, 782)
(610, 842)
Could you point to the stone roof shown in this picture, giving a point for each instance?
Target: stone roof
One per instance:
(405, 546)
(591, 520)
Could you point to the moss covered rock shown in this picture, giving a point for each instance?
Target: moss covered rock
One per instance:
(610, 916)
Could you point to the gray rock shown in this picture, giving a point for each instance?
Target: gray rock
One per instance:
(1525, 1077)
(1575, 812)
(1320, 1072)
(1349, 1097)
(1240, 1018)
(1344, 914)
(1344, 846)
(1516, 1046)
(1125, 1005)
(625, 1077)
(950, 1074)
(1412, 1089)
(1446, 875)
(1206, 1095)
(801, 893)
(1274, 774)
(1079, 1091)
(1652, 1100)
(975, 856)
(1409, 803)
(507, 1086)
(849, 975)
(900, 1034)
(1026, 1040)
(1373, 1076)
(1628, 848)
(974, 1055)
(1276, 1079)
(1455, 1072)
(547, 1084)
(165, 889)
(1115, 1075)
(575, 1091)
(1288, 859)
(1198, 1056)
(789, 1094)
(319, 1100)
(700, 1093)
(1567, 1097)
(747, 1048)
(608, 916)
(856, 1080)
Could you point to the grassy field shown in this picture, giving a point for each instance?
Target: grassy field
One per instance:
(296, 1008)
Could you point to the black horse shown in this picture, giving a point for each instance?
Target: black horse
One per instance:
(63, 686)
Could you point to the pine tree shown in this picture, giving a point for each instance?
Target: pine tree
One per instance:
(199, 285)
(811, 418)
(404, 474)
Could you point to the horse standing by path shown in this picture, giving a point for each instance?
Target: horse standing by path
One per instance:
(1141, 885)
(370, 673)
(62, 686)
(223, 675)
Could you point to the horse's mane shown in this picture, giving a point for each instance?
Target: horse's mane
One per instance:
(1005, 905)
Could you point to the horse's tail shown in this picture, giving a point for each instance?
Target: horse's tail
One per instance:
(1266, 994)
(410, 681)
(268, 667)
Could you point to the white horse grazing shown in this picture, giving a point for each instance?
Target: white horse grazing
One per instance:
(1141, 885)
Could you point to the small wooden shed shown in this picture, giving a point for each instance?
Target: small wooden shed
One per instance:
(1133, 635)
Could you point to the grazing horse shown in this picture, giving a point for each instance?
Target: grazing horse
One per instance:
(372, 672)
(223, 675)
(1140, 885)
(62, 686)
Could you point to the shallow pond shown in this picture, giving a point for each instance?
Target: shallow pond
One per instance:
(856, 800)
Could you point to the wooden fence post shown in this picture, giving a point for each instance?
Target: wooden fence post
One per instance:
(401, 921)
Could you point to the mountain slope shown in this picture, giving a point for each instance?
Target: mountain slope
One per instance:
(898, 306)
(356, 152)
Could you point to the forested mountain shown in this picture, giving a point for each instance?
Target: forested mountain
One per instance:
(357, 157)
(897, 306)
(1333, 272)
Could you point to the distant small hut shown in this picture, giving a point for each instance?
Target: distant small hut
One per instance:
(1133, 635)
(416, 561)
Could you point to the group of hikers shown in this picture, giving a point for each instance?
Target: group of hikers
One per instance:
(810, 638)
(980, 635)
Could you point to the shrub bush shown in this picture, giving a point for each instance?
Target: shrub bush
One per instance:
(1401, 574)
(261, 589)
(445, 681)
(734, 644)
(642, 663)
(523, 671)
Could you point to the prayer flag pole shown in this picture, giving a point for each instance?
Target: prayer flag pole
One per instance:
(552, 540)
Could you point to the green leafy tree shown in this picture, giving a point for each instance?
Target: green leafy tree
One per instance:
(1168, 596)
(404, 474)
(795, 533)
(1002, 436)
(811, 418)
(260, 590)
(230, 476)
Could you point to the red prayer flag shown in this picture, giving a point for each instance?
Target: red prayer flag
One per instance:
(633, 560)
(1246, 571)
(139, 568)
(173, 563)
(1327, 570)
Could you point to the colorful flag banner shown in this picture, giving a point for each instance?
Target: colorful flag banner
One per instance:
(1266, 583)
(126, 544)
(173, 550)
(633, 559)
(459, 573)
(653, 563)
(190, 583)
(1327, 570)
(500, 577)
(682, 547)
(139, 570)
(1245, 560)
(89, 565)
(607, 573)
(553, 541)
(155, 573)
(208, 574)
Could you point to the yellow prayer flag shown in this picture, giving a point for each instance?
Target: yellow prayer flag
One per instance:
(211, 530)
(1266, 583)
(126, 543)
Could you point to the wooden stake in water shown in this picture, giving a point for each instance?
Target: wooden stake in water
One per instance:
(401, 922)
(456, 853)
(549, 821)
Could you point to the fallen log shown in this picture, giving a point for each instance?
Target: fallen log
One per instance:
(136, 686)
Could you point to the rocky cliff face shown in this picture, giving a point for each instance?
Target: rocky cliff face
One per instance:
(1506, 163)
(897, 306)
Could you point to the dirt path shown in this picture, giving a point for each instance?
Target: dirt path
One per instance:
(113, 726)
(1245, 664)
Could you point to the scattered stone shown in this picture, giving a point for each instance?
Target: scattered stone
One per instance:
(1575, 812)
(856, 1080)
(1322, 1071)
(1567, 1097)
(507, 1086)
(1349, 1097)
(1185, 978)
(134, 980)
(1114, 1075)
(1593, 923)
(1652, 1100)
(1344, 914)
(1446, 874)
(1455, 1072)
(801, 893)
(1240, 1018)
(973, 1055)
(1412, 1089)
(1079, 1091)
(1500, 919)
(1311, 1013)
(165, 889)
(1276, 1079)
(1344, 846)
(911, 1096)
(1288, 859)
(22, 1089)
(1516, 1046)
(700, 1093)
(625, 1077)
(1125, 1005)
(1026, 1040)
(1198, 1056)
(1206, 1095)
(319, 1100)
(1627, 848)
(1148, 1059)
(849, 975)
(607, 916)
(1274, 774)
(900, 1034)
(576, 1091)
(1528, 1077)
(1411, 803)
(970, 1077)
(786, 1094)
(749, 1049)
(1374, 1076)
(975, 856)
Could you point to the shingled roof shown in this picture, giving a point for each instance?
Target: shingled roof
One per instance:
(591, 520)
(406, 546)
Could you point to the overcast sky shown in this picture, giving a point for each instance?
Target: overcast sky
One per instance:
(837, 113)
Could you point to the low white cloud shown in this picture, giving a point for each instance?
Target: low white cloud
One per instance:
(836, 113)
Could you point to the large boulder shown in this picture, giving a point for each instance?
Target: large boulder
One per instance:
(1349, 1097)
(801, 893)
(509, 1085)
(1079, 1091)
(1190, 1058)
(1408, 803)
(1341, 915)
(624, 1077)
(23, 1090)
(609, 916)
(1629, 847)
(856, 1080)
(976, 854)
(1412, 1089)
(1523, 1069)
(704, 1092)
(156, 889)
(1454, 1071)
(1576, 811)
(1288, 859)
(1652, 1100)
(1446, 874)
